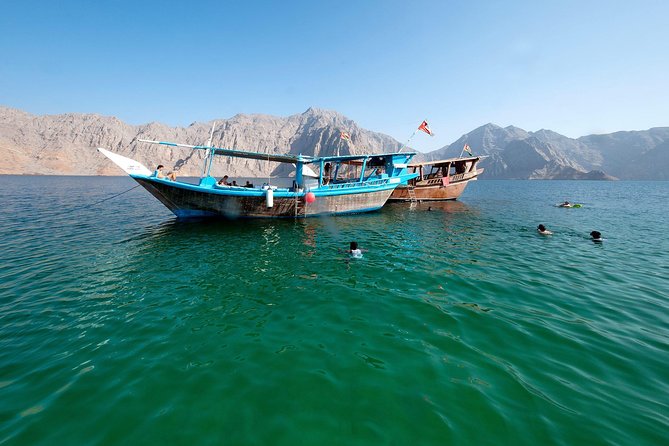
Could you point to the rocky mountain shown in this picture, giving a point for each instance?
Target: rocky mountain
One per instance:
(514, 153)
(66, 145)
(638, 155)
(544, 154)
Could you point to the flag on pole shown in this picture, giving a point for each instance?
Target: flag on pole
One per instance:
(424, 127)
(467, 149)
(346, 136)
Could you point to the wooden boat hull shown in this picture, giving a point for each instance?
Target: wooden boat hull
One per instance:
(430, 193)
(191, 201)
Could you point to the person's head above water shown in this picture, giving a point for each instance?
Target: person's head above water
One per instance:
(543, 231)
(354, 251)
(596, 235)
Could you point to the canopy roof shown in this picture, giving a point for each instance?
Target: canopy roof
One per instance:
(445, 161)
(279, 158)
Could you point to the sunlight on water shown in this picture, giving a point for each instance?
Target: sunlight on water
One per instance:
(460, 324)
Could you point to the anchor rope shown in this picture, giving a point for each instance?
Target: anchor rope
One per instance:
(108, 198)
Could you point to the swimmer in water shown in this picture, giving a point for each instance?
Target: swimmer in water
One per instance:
(354, 251)
(596, 236)
(541, 229)
(566, 204)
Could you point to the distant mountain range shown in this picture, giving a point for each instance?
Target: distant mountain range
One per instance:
(544, 154)
(66, 145)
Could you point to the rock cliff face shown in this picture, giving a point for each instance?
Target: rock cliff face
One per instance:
(66, 145)
(640, 155)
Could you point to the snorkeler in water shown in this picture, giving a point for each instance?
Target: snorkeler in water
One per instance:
(354, 251)
(596, 236)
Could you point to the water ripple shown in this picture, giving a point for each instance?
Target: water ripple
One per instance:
(460, 325)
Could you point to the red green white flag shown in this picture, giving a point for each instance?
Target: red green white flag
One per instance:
(424, 127)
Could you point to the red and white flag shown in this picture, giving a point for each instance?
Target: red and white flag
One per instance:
(467, 149)
(346, 136)
(424, 127)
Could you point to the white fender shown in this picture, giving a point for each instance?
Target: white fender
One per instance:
(270, 198)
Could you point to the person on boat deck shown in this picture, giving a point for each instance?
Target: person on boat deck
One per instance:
(224, 181)
(327, 172)
(596, 236)
(541, 229)
(248, 184)
(234, 183)
(160, 174)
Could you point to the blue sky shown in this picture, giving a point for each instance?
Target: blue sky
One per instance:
(575, 67)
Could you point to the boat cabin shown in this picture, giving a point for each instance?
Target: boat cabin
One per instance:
(443, 171)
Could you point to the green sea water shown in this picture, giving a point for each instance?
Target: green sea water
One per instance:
(460, 325)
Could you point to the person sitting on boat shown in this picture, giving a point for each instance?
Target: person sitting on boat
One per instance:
(248, 184)
(224, 181)
(327, 172)
(541, 229)
(596, 236)
(160, 174)
(234, 183)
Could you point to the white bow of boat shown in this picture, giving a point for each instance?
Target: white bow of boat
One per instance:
(129, 166)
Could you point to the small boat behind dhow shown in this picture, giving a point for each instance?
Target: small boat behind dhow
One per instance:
(438, 180)
(327, 185)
